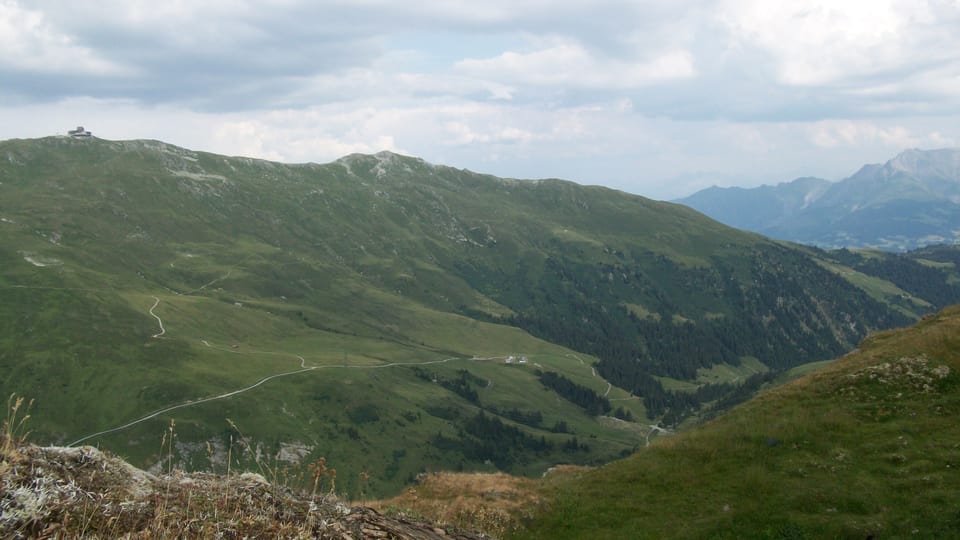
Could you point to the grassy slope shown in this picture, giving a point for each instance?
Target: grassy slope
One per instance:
(834, 454)
(80, 323)
(367, 261)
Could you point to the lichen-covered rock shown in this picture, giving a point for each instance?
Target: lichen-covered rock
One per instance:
(82, 492)
(906, 374)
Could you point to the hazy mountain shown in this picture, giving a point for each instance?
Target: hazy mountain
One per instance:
(911, 201)
(389, 314)
(758, 208)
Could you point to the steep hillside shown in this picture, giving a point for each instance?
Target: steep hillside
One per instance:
(391, 315)
(865, 448)
(929, 275)
(911, 201)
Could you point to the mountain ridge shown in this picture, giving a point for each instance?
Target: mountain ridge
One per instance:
(908, 202)
(384, 304)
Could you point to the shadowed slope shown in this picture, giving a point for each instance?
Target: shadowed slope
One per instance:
(868, 446)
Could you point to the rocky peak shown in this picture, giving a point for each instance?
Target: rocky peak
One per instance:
(937, 165)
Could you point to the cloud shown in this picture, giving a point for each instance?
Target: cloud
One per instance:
(851, 133)
(571, 65)
(267, 141)
(859, 55)
(30, 43)
(818, 42)
(209, 55)
(689, 59)
(227, 56)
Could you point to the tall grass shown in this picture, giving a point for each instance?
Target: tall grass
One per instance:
(84, 493)
(13, 433)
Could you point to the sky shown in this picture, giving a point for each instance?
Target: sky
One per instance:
(658, 98)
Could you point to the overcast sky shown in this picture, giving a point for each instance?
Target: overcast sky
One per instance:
(659, 98)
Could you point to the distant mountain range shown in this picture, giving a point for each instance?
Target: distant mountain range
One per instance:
(911, 201)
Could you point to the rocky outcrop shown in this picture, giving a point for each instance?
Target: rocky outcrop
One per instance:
(83, 492)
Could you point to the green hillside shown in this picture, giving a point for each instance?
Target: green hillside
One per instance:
(867, 447)
(922, 278)
(391, 315)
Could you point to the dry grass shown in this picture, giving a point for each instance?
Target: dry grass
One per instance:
(82, 492)
(493, 504)
(12, 432)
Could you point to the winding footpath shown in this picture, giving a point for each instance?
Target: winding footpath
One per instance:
(654, 429)
(159, 321)
(190, 403)
(303, 369)
(221, 278)
(593, 370)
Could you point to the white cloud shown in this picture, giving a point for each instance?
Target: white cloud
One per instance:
(857, 133)
(818, 42)
(29, 42)
(317, 134)
(245, 138)
(571, 65)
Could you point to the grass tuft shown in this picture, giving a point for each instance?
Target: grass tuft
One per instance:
(13, 431)
(81, 492)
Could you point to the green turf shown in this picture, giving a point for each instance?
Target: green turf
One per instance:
(344, 271)
(864, 447)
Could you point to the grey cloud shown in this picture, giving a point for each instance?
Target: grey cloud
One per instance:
(232, 56)
(246, 60)
(221, 49)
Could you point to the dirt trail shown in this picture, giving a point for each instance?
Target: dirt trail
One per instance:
(189, 403)
(303, 369)
(221, 278)
(162, 329)
(654, 429)
(593, 371)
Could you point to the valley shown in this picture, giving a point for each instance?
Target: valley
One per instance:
(393, 316)
(866, 446)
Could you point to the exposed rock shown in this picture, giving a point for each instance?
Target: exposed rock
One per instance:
(83, 492)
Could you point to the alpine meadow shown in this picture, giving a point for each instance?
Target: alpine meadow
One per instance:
(398, 317)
